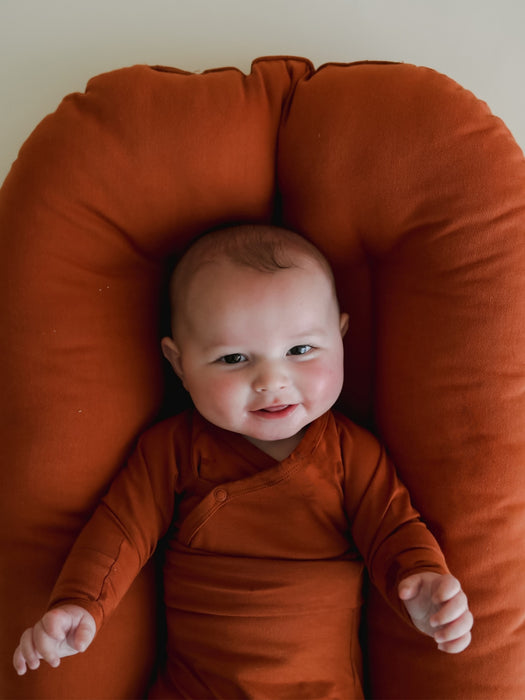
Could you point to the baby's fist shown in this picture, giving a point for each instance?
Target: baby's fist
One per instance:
(439, 608)
(61, 632)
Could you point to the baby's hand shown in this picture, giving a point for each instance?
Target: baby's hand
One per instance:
(63, 631)
(438, 607)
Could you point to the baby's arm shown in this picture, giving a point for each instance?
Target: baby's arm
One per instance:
(63, 631)
(438, 607)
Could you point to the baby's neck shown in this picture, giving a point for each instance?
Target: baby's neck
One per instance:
(278, 449)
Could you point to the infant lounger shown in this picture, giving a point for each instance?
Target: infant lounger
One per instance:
(416, 194)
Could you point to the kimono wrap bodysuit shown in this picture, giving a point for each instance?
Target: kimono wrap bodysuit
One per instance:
(263, 560)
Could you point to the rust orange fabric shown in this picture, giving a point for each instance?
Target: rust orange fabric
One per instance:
(414, 191)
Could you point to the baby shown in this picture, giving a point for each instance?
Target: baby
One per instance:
(268, 504)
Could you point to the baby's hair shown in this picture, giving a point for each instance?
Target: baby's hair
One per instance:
(265, 248)
(262, 249)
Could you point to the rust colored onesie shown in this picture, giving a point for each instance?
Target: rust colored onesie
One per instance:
(263, 560)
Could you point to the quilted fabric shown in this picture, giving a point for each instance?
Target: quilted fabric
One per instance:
(416, 194)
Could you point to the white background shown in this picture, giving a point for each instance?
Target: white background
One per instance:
(49, 48)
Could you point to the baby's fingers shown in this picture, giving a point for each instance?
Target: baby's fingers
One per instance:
(451, 610)
(26, 656)
(457, 646)
(19, 662)
(447, 588)
(45, 644)
(83, 636)
(455, 636)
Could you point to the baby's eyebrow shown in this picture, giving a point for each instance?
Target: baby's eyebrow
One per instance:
(223, 348)
(307, 332)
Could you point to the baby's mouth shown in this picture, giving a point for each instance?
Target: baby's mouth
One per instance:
(276, 411)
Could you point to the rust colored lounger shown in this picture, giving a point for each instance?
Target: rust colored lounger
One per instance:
(416, 194)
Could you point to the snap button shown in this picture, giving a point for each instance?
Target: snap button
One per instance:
(221, 495)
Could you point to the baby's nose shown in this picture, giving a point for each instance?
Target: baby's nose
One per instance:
(271, 378)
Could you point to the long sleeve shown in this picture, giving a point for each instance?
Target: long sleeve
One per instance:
(123, 532)
(386, 529)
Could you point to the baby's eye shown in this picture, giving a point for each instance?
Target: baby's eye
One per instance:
(299, 350)
(233, 359)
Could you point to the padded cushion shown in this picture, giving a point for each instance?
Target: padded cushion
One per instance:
(416, 194)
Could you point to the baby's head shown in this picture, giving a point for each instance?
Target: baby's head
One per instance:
(257, 333)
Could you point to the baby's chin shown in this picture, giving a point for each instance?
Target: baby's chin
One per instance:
(277, 422)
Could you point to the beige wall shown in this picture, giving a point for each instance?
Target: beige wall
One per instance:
(49, 48)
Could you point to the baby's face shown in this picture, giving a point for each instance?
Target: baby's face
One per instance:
(261, 353)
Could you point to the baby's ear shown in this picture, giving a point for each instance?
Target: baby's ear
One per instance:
(343, 324)
(171, 352)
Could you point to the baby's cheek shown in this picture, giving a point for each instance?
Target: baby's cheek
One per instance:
(228, 395)
(327, 384)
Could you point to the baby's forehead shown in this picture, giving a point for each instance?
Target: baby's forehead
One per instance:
(220, 286)
(215, 259)
(202, 257)
(214, 272)
(223, 294)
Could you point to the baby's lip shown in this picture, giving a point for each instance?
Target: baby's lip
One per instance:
(276, 410)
